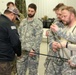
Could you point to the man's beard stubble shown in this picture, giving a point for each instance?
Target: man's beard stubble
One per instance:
(30, 16)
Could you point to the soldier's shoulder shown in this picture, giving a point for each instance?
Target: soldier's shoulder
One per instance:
(22, 23)
(24, 20)
(38, 20)
(38, 23)
(21, 15)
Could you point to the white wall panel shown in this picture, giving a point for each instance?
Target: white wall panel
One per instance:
(44, 7)
(3, 4)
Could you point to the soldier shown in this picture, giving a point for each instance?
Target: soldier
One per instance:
(30, 31)
(69, 33)
(57, 20)
(58, 14)
(50, 70)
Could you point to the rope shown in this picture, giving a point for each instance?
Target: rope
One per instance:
(63, 59)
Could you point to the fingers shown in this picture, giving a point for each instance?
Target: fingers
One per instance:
(54, 28)
(47, 33)
(71, 63)
(55, 46)
(31, 53)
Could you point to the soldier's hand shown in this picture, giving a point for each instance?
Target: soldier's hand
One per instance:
(62, 45)
(71, 63)
(55, 46)
(54, 28)
(47, 33)
(32, 53)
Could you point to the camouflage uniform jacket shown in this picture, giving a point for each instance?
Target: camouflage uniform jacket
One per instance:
(30, 34)
(71, 36)
(53, 37)
(65, 69)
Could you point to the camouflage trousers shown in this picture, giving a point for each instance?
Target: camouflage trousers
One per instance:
(30, 63)
(67, 70)
(54, 69)
(6, 68)
(14, 69)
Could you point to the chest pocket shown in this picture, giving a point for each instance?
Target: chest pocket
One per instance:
(31, 32)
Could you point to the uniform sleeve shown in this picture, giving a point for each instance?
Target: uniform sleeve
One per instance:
(20, 28)
(71, 46)
(51, 38)
(14, 39)
(38, 36)
(70, 36)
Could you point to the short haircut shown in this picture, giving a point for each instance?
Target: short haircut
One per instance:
(7, 12)
(58, 6)
(70, 9)
(32, 5)
(10, 3)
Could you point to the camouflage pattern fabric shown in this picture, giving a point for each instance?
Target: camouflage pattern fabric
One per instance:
(28, 62)
(65, 69)
(31, 36)
(52, 66)
(68, 70)
(6, 68)
(70, 36)
(14, 68)
(21, 5)
(54, 69)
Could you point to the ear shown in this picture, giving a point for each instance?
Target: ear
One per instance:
(72, 15)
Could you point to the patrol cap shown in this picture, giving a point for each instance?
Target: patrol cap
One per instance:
(14, 11)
